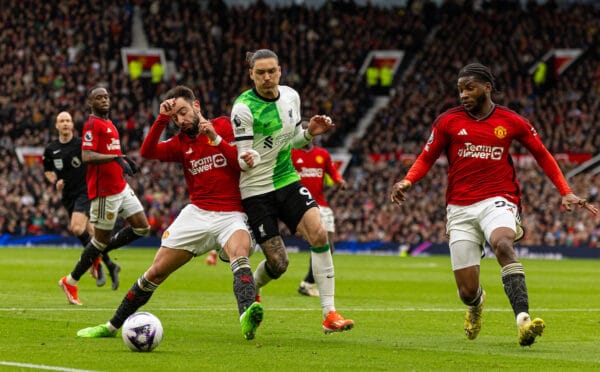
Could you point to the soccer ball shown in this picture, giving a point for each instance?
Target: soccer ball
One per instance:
(142, 332)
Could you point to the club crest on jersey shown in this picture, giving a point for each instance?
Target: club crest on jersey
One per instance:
(76, 162)
(500, 132)
(165, 234)
(319, 159)
(110, 215)
(237, 121)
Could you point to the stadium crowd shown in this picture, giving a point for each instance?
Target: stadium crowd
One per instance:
(566, 116)
(52, 54)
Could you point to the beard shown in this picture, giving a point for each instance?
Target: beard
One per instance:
(194, 129)
(478, 105)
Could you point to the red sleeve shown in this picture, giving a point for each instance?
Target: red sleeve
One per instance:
(90, 137)
(534, 144)
(224, 129)
(151, 148)
(330, 169)
(432, 150)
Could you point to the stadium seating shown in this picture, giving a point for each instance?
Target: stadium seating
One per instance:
(53, 54)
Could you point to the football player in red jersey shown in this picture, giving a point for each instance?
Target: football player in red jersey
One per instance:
(483, 195)
(108, 191)
(312, 164)
(64, 168)
(213, 219)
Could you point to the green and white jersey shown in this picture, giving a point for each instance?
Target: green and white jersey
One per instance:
(268, 127)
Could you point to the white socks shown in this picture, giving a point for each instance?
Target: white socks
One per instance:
(522, 319)
(322, 265)
(261, 278)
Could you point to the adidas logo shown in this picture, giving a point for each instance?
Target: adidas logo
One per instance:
(462, 132)
(300, 161)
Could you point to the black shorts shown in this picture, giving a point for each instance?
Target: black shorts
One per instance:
(287, 204)
(80, 203)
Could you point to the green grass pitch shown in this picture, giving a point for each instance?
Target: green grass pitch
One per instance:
(408, 317)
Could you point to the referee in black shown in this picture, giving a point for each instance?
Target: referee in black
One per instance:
(64, 168)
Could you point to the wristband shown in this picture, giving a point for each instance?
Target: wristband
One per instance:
(307, 135)
(217, 140)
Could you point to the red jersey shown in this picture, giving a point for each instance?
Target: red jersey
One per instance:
(479, 163)
(312, 165)
(212, 173)
(101, 136)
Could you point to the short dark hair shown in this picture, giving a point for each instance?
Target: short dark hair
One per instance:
(97, 86)
(181, 91)
(251, 57)
(480, 72)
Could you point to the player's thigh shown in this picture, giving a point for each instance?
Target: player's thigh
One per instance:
(166, 261)
(499, 213)
(262, 215)
(79, 222)
(466, 239)
(465, 254)
(81, 203)
(233, 233)
(132, 209)
(104, 211)
(192, 231)
(463, 223)
(293, 202)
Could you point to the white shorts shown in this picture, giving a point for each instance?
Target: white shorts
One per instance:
(475, 224)
(105, 210)
(327, 218)
(199, 231)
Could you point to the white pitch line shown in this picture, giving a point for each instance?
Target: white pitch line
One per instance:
(41, 366)
(285, 309)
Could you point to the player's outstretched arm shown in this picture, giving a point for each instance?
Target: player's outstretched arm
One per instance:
(570, 200)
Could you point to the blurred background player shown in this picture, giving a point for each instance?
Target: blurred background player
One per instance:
(64, 168)
(213, 218)
(211, 258)
(267, 124)
(108, 191)
(483, 195)
(313, 164)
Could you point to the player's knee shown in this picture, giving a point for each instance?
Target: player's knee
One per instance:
(318, 238)
(504, 249)
(141, 231)
(77, 228)
(468, 293)
(277, 268)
